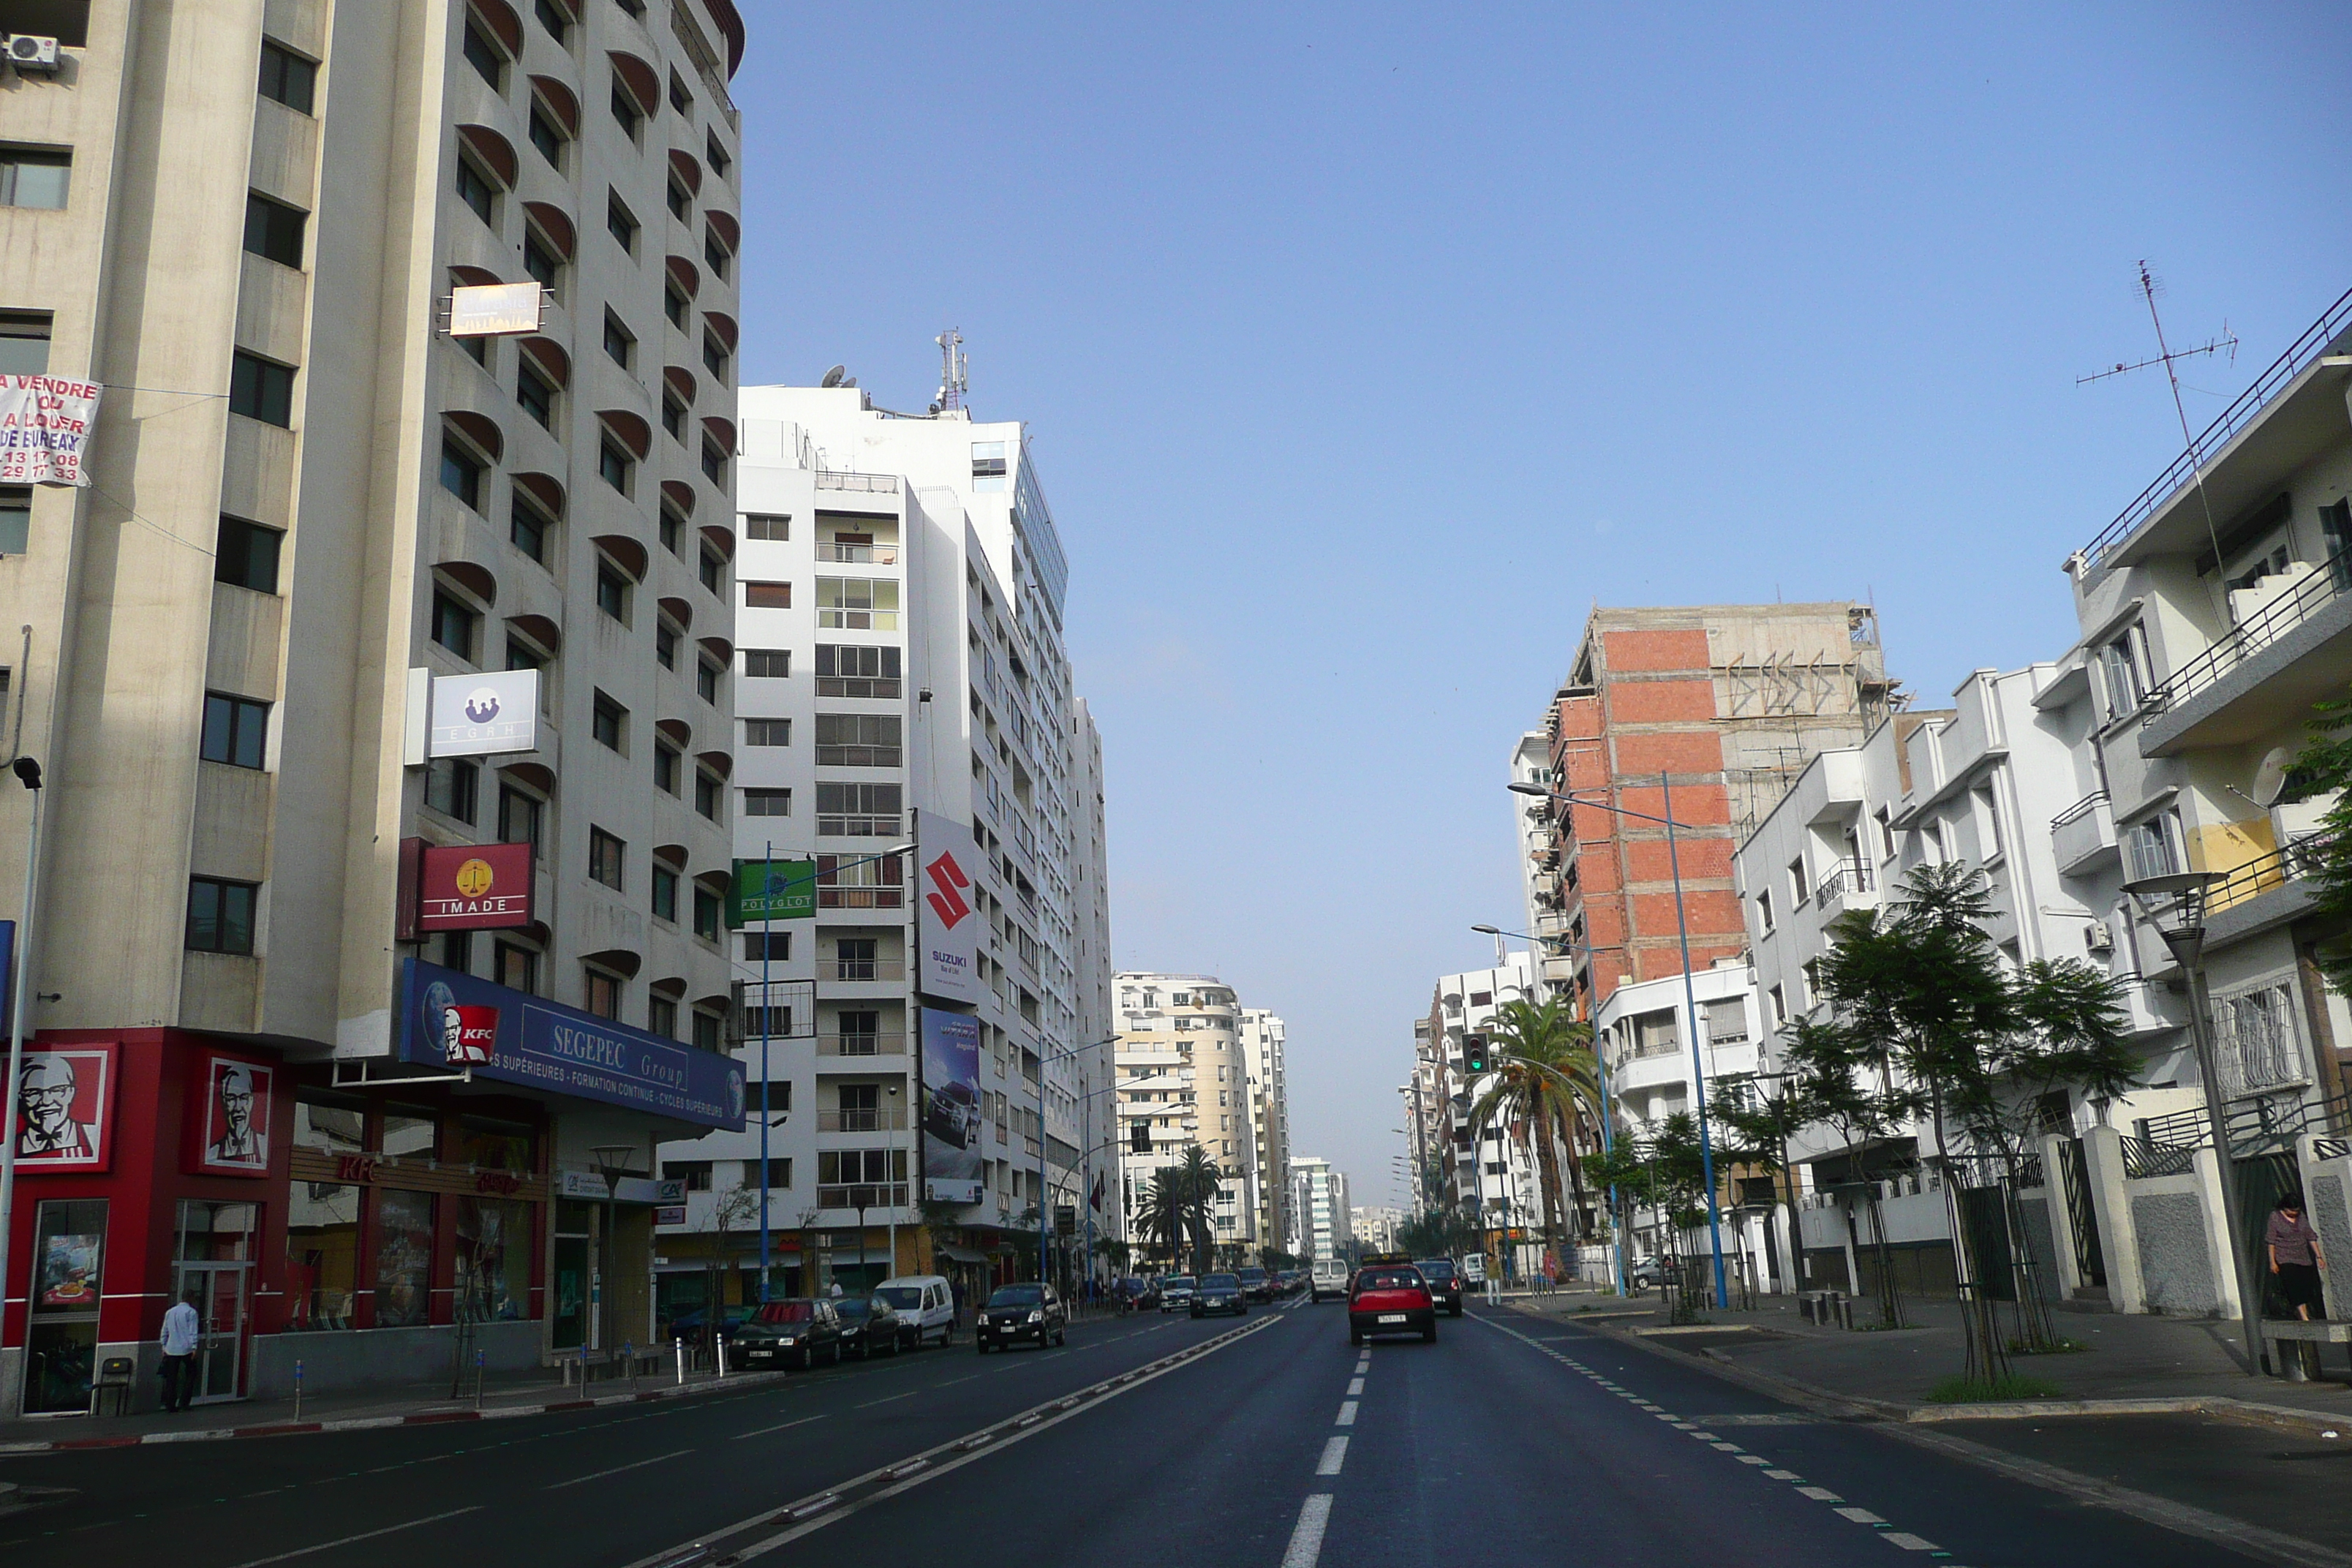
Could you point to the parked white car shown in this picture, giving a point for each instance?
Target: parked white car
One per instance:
(925, 1300)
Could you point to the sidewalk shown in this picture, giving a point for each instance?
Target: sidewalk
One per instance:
(415, 1405)
(2182, 1361)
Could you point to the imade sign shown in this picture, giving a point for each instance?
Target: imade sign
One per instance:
(44, 422)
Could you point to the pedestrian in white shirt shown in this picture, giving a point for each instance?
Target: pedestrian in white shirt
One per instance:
(181, 1328)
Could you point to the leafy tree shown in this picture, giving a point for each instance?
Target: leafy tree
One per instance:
(2324, 767)
(1543, 1078)
(1667, 1171)
(1440, 1233)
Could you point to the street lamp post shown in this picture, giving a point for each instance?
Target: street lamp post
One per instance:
(609, 1158)
(2174, 905)
(1045, 1189)
(1690, 999)
(28, 773)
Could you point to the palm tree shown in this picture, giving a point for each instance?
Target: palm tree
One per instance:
(1198, 1177)
(1543, 1074)
(1162, 1214)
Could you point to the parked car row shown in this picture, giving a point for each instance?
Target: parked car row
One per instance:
(901, 1314)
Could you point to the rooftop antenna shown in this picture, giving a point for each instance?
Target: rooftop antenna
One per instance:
(952, 368)
(2151, 287)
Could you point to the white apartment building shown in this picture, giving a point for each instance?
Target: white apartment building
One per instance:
(1262, 1035)
(904, 693)
(1326, 1229)
(1539, 846)
(306, 501)
(1494, 1175)
(1183, 1078)
(1375, 1228)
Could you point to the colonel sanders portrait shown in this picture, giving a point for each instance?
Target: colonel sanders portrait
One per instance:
(45, 1110)
(239, 1130)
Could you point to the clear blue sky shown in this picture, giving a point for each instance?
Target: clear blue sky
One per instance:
(1363, 347)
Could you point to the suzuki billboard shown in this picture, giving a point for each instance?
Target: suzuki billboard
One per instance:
(947, 926)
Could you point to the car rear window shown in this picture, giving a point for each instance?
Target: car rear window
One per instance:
(1389, 1279)
(1221, 1283)
(787, 1312)
(1016, 1296)
(1438, 1270)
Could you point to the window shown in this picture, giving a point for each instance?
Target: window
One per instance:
(767, 595)
(535, 393)
(517, 968)
(288, 78)
(2150, 846)
(666, 766)
(519, 818)
(1798, 891)
(761, 947)
(858, 741)
(708, 793)
(548, 137)
(557, 25)
(453, 787)
(706, 914)
(625, 110)
(716, 157)
(609, 723)
(674, 417)
(675, 307)
(611, 592)
(712, 569)
(988, 465)
(1887, 844)
(35, 179)
(620, 345)
(604, 997)
(845, 670)
(236, 729)
(461, 473)
(483, 56)
(857, 810)
(714, 464)
(1780, 1005)
(665, 893)
(1764, 910)
(261, 389)
(768, 663)
(620, 222)
(246, 555)
(767, 525)
(521, 655)
(541, 263)
(475, 189)
(767, 732)
(616, 466)
(274, 230)
(767, 803)
(661, 1017)
(859, 883)
(2120, 670)
(666, 645)
(672, 527)
(714, 358)
(718, 256)
(706, 681)
(220, 915)
(607, 859)
(679, 97)
(681, 206)
(858, 603)
(454, 626)
(1987, 811)
(24, 342)
(527, 530)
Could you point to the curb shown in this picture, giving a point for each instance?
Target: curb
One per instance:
(733, 1384)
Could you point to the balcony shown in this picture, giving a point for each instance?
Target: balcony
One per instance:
(881, 1120)
(1849, 886)
(2083, 836)
(864, 1196)
(861, 970)
(858, 554)
(861, 1045)
(870, 484)
(2292, 646)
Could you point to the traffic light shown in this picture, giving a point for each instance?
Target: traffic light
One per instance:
(1474, 1053)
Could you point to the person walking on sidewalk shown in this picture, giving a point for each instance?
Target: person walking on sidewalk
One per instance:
(2295, 1256)
(181, 1328)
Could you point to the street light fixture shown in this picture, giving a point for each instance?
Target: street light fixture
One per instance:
(1690, 994)
(2176, 905)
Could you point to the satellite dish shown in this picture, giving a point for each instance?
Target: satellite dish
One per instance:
(2270, 778)
(833, 377)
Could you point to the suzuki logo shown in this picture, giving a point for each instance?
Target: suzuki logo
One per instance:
(947, 898)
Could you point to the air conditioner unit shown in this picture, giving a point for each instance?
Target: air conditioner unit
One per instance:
(2098, 937)
(32, 52)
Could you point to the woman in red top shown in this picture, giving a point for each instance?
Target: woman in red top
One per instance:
(2295, 1256)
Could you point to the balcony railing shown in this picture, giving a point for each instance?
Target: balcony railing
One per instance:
(2290, 365)
(858, 554)
(861, 1045)
(859, 756)
(882, 686)
(1846, 877)
(861, 969)
(2266, 873)
(865, 824)
(872, 484)
(880, 1120)
(865, 1195)
(2281, 616)
(829, 898)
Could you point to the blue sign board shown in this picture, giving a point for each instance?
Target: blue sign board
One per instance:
(456, 1022)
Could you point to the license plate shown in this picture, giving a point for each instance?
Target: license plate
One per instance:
(1391, 1316)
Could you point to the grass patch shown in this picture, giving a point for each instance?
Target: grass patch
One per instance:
(1986, 1391)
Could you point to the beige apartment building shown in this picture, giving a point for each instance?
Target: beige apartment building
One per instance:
(1182, 1080)
(306, 499)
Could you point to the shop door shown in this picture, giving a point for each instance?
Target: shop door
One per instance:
(220, 1292)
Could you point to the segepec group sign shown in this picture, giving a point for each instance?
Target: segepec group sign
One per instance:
(456, 1022)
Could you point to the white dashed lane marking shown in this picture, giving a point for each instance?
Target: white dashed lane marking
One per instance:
(1861, 1516)
(1335, 1454)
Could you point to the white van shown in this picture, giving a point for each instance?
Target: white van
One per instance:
(1329, 1277)
(925, 1300)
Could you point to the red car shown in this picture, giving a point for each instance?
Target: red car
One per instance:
(1390, 1299)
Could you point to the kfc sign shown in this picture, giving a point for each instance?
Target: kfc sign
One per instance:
(473, 886)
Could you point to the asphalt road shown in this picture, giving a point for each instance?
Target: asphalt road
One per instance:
(1274, 1443)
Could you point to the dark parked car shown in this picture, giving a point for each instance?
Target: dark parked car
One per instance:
(1445, 1283)
(1021, 1312)
(1256, 1284)
(871, 1326)
(693, 1326)
(1219, 1293)
(1139, 1293)
(793, 1334)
